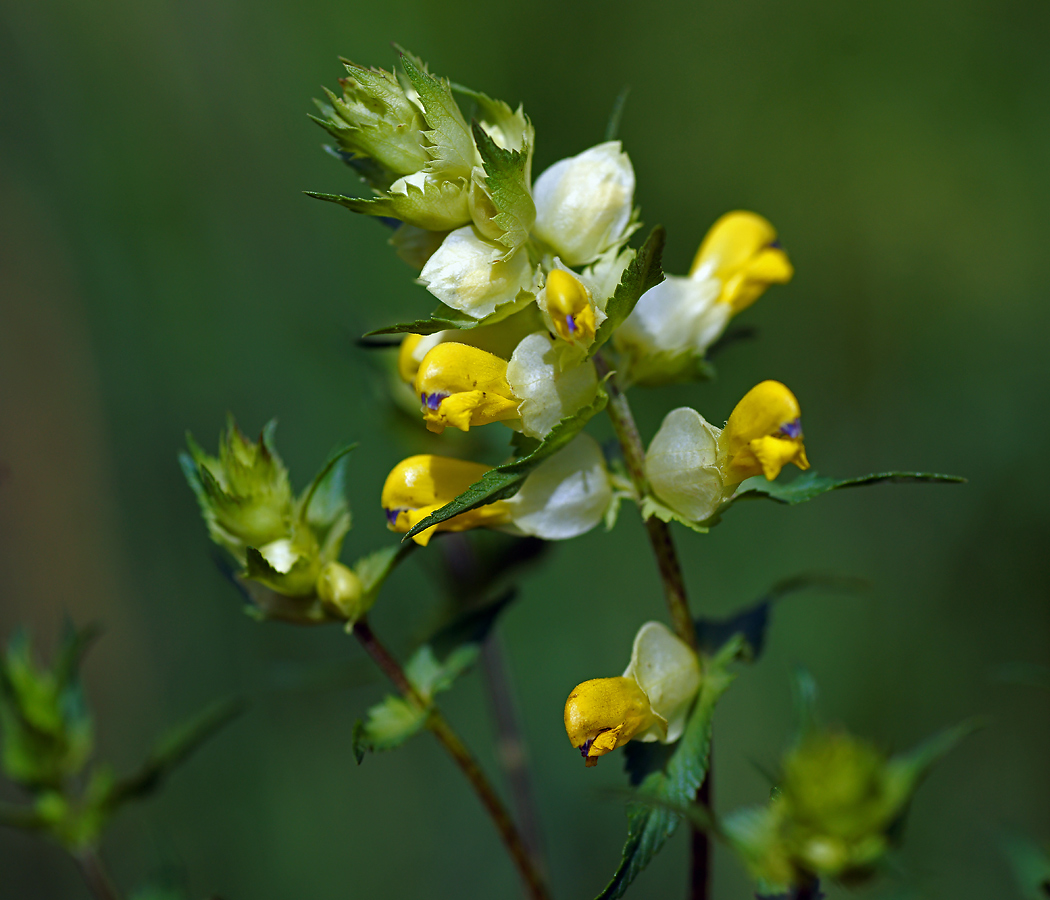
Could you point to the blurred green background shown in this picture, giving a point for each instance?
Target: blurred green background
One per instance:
(159, 266)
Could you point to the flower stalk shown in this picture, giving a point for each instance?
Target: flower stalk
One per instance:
(462, 757)
(95, 875)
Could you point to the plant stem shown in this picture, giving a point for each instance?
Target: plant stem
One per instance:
(513, 754)
(659, 533)
(660, 539)
(508, 832)
(95, 874)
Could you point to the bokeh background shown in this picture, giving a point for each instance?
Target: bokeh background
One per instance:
(159, 266)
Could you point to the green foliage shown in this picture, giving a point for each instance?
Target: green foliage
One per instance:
(505, 481)
(1031, 867)
(642, 273)
(451, 149)
(507, 187)
(648, 825)
(809, 485)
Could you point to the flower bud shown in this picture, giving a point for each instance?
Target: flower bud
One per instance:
(341, 591)
(472, 275)
(568, 305)
(460, 385)
(763, 434)
(741, 252)
(244, 493)
(584, 203)
(419, 485)
(649, 702)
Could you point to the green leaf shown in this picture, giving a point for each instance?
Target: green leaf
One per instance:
(652, 506)
(643, 272)
(1031, 867)
(752, 621)
(376, 567)
(650, 826)
(915, 764)
(324, 500)
(446, 318)
(452, 151)
(505, 481)
(389, 725)
(506, 183)
(172, 750)
(809, 485)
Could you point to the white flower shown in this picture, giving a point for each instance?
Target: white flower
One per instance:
(669, 673)
(681, 464)
(550, 382)
(584, 203)
(565, 495)
(469, 274)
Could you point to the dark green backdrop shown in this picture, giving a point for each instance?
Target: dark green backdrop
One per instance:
(159, 266)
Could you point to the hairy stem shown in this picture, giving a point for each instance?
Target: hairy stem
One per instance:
(660, 539)
(95, 875)
(508, 832)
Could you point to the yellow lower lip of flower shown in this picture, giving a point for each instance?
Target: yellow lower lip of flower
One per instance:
(422, 484)
(460, 385)
(771, 266)
(569, 307)
(605, 713)
(763, 434)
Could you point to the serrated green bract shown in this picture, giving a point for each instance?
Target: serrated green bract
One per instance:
(389, 724)
(650, 826)
(506, 187)
(643, 272)
(451, 149)
(445, 318)
(505, 481)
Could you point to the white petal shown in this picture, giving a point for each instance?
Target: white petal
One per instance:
(677, 315)
(551, 380)
(583, 203)
(669, 673)
(681, 464)
(280, 555)
(565, 495)
(467, 274)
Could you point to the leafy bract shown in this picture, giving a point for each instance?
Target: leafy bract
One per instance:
(505, 481)
(643, 272)
(810, 484)
(451, 149)
(649, 825)
(506, 185)
(445, 318)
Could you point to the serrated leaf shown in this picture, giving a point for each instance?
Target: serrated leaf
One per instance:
(506, 183)
(643, 272)
(752, 621)
(452, 151)
(504, 481)
(650, 826)
(389, 724)
(445, 318)
(810, 484)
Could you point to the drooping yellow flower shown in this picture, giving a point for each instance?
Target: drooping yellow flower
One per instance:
(605, 713)
(741, 251)
(460, 385)
(763, 434)
(419, 485)
(568, 304)
(649, 702)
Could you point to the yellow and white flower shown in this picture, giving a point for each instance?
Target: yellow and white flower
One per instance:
(693, 466)
(676, 321)
(649, 702)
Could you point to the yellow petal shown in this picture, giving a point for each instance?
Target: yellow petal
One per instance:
(461, 385)
(763, 434)
(605, 713)
(407, 364)
(740, 251)
(568, 304)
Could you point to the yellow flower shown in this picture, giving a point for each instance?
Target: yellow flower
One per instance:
(419, 485)
(763, 434)
(568, 304)
(460, 385)
(605, 713)
(741, 251)
(649, 702)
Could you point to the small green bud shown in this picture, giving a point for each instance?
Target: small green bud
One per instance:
(341, 591)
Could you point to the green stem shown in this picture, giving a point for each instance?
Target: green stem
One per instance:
(508, 832)
(660, 540)
(95, 874)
